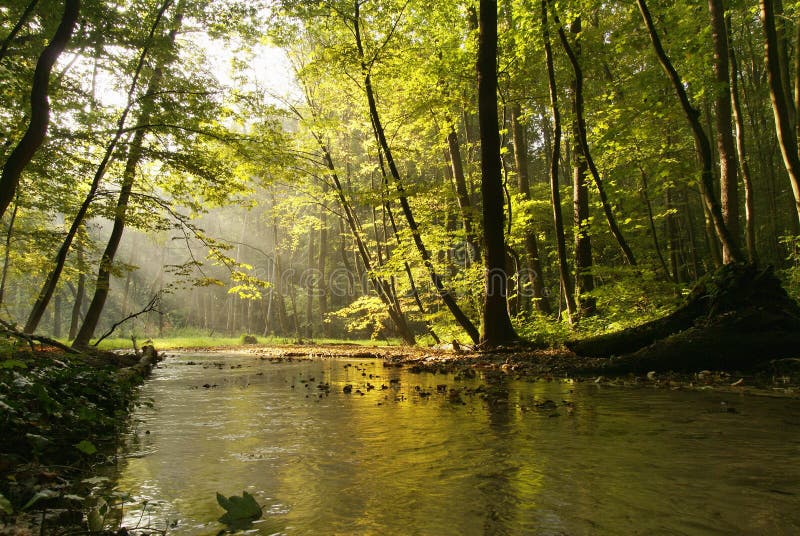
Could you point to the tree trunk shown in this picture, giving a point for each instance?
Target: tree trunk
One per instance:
(445, 294)
(7, 251)
(701, 140)
(17, 27)
(310, 283)
(534, 265)
(555, 194)
(103, 285)
(741, 152)
(40, 106)
(780, 110)
(729, 191)
(462, 194)
(322, 286)
(496, 325)
(584, 144)
(80, 295)
(584, 281)
(58, 265)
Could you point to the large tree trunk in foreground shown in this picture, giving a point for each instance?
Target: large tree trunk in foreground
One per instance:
(40, 107)
(496, 325)
(736, 318)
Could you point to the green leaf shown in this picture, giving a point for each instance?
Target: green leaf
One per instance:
(13, 363)
(5, 505)
(86, 447)
(240, 511)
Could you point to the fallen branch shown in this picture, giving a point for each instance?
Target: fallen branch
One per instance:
(6, 327)
(152, 305)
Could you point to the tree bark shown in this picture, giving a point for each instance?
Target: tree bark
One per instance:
(534, 265)
(496, 325)
(462, 194)
(103, 284)
(780, 111)
(726, 149)
(7, 250)
(584, 144)
(701, 140)
(445, 294)
(741, 153)
(58, 265)
(555, 194)
(17, 27)
(22, 154)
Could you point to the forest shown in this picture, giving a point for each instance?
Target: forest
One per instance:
(465, 267)
(396, 170)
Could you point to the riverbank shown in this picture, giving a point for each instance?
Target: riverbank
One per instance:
(775, 378)
(61, 415)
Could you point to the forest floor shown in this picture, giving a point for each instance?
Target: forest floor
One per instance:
(776, 378)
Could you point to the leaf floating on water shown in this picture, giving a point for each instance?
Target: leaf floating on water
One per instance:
(239, 511)
(86, 447)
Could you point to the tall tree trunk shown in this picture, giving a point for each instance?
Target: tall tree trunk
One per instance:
(322, 286)
(57, 316)
(783, 125)
(310, 283)
(445, 294)
(555, 194)
(584, 144)
(26, 14)
(584, 281)
(462, 194)
(534, 265)
(726, 149)
(103, 284)
(40, 106)
(496, 325)
(7, 250)
(741, 152)
(58, 265)
(80, 294)
(701, 140)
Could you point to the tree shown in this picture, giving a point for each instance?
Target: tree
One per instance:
(496, 328)
(40, 106)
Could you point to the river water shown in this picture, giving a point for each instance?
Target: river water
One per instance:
(437, 455)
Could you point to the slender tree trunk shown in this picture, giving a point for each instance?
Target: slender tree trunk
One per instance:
(103, 284)
(462, 194)
(80, 294)
(584, 281)
(57, 316)
(322, 286)
(58, 265)
(7, 251)
(701, 140)
(534, 265)
(726, 149)
(584, 144)
(310, 283)
(26, 14)
(741, 152)
(444, 293)
(649, 205)
(555, 194)
(496, 325)
(40, 106)
(780, 110)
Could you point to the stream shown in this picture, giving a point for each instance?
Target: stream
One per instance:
(435, 454)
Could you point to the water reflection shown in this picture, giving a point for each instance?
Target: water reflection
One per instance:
(432, 454)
